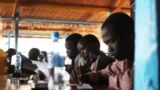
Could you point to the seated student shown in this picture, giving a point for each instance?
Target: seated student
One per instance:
(118, 34)
(11, 55)
(72, 52)
(33, 54)
(89, 48)
(40, 66)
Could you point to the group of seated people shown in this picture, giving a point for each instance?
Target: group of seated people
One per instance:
(28, 64)
(90, 65)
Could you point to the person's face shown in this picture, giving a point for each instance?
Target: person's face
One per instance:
(71, 49)
(115, 45)
(84, 51)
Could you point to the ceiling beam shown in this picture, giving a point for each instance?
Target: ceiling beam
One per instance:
(62, 6)
(71, 7)
(121, 3)
(6, 4)
(29, 19)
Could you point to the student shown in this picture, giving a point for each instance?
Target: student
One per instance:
(9, 53)
(37, 66)
(71, 49)
(33, 54)
(72, 52)
(118, 34)
(89, 48)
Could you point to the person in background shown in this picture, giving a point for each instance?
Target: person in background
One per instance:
(118, 34)
(89, 48)
(9, 53)
(56, 62)
(72, 52)
(44, 57)
(33, 54)
(3, 70)
(3, 63)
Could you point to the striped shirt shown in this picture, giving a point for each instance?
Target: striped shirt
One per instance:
(120, 75)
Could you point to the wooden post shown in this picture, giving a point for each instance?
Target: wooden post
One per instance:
(146, 48)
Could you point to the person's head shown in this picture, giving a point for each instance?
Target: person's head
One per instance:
(10, 52)
(118, 34)
(89, 47)
(71, 45)
(45, 55)
(33, 54)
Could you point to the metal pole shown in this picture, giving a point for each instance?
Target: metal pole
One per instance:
(9, 39)
(45, 20)
(16, 28)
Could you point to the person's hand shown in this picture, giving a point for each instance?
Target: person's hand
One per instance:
(82, 78)
(85, 68)
(89, 77)
(93, 76)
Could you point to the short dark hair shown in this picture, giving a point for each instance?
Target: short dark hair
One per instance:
(11, 52)
(123, 30)
(122, 24)
(74, 38)
(33, 53)
(90, 39)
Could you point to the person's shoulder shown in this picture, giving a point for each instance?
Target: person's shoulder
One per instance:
(79, 60)
(106, 58)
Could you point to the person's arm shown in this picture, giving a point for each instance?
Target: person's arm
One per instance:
(103, 74)
(93, 77)
(126, 80)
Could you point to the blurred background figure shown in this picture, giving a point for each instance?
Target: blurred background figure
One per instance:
(56, 63)
(3, 70)
(43, 56)
(9, 53)
(41, 67)
(33, 54)
(3, 63)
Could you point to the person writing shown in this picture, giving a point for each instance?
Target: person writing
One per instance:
(118, 34)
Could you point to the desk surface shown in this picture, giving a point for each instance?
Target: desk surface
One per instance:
(6, 85)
